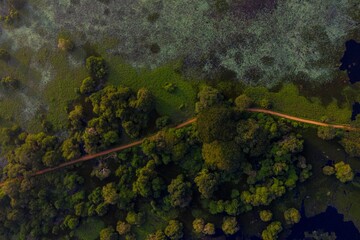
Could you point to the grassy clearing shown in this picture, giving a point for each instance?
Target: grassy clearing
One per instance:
(288, 101)
(61, 90)
(89, 229)
(178, 104)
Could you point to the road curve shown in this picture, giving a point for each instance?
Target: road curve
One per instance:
(184, 124)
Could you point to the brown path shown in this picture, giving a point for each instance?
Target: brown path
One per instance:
(137, 143)
(345, 127)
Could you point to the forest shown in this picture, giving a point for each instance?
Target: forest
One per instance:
(228, 163)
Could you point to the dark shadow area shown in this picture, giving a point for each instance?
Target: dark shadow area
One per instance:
(351, 61)
(328, 221)
(355, 111)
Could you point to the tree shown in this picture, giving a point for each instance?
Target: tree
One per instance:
(135, 218)
(222, 155)
(271, 231)
(123, 228)
(97, 67)
(208, 97)
(198, 225)
(326, 133)
(351, 143)
(216, 124)
(344, 172)
(108, 234)
(71, 148)
(158, 235)
(328, 170)
(206, 182)
(265, 215)
(209, 229)
(76, 117)
(292, 216)
(243, 102)
(180, 192)
(174, 230)
(230, 225)
(88, 85)
(110, 194)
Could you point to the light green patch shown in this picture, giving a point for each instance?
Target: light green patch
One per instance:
(89, 229)
(154, 80)
(288, 101)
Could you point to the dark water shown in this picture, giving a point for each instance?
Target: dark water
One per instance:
(355, 111)
(328, 221)
(351, 61)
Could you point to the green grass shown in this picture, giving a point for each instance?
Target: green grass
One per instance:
(288, 101)
(59, 92)
(166, 103)
(89, 229)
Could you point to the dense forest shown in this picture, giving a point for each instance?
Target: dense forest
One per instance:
(228, 163)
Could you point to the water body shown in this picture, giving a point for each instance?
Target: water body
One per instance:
(328, 221)
(355, 111)
(351, 61)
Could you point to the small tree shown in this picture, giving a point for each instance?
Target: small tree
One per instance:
(123, 228)
(266, 215)
(243, 102)
(328, 170)
(108, 234)
(88, 86)
(344, 172)
(174, 230)
(230, 225)
(292, 216)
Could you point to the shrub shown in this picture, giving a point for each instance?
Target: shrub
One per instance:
(97, 67)
(265, 215)
(88, 86)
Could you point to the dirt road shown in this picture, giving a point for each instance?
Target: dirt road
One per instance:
(137, 143)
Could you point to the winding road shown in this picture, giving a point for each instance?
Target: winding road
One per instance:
(184, 124)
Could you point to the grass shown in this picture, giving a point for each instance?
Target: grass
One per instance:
(287, 100)
(166, 103)
(89, 229)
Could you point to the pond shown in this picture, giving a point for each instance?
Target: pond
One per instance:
(351, 61)
(329, 221)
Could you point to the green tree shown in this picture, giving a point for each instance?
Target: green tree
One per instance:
(206, 182)
(292, 216)
(158, 235)
(209, 229)
(97, 67)
(208, 97)
(123, 228)
(198, 225)
(174, 230)
(88, 85)
(243, 102)
(135, 218)
(222, 155)
(180, 192)
(216, 124)
(265, 215)
(272, 230)
(344, 172)
(230, 225)
(110, 194)
(108, 234)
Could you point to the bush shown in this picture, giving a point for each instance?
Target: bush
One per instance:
(292, 216)
(328, 170)
(344, 172)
